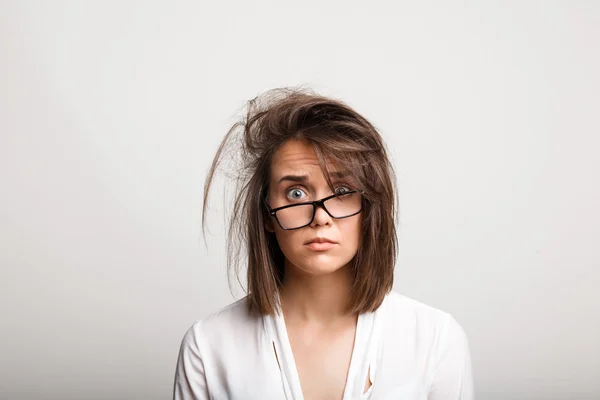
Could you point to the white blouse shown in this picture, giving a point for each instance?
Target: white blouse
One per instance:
(412, 351)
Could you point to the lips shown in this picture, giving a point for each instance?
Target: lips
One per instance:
(320, 240)
(320, 246)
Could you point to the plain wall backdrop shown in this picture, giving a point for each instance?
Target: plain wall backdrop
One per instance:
(111, 112)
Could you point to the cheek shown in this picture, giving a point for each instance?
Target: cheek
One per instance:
(351, 230)
(288, 242)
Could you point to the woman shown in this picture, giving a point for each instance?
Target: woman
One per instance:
(315, 214)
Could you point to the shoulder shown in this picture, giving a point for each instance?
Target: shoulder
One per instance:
(398, 306)
(428, 324)
(222, 324)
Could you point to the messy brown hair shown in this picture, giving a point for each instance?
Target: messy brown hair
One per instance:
(338, 134)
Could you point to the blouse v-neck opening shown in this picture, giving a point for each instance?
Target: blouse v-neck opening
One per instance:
(361, 360)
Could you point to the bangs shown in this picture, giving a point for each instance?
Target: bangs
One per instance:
(341, 159)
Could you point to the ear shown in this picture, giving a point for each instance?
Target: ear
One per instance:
(269, 225)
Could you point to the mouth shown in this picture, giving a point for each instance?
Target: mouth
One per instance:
(320, 245)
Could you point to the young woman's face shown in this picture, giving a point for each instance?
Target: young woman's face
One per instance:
(296, 157)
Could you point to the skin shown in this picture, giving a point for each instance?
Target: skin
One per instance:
(316, 286)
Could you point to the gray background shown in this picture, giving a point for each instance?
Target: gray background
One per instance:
(110, 112)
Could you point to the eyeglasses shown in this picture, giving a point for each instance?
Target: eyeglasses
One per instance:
(299, 215)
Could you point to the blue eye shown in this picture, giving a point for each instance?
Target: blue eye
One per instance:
(296, 190)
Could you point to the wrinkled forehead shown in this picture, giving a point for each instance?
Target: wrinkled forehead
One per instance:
(297, 158)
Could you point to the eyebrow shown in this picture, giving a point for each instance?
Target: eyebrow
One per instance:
(304, 178)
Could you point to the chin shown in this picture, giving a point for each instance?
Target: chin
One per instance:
(322, 266)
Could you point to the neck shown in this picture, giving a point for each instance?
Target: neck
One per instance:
(319, 299)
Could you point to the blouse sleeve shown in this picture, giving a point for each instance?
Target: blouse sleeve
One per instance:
(453, 375)
(190, 380)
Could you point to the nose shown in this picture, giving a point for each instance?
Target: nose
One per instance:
(321, 216)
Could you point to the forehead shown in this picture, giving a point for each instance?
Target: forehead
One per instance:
(296, 156)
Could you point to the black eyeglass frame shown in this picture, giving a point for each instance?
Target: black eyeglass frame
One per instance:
(315, 204)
